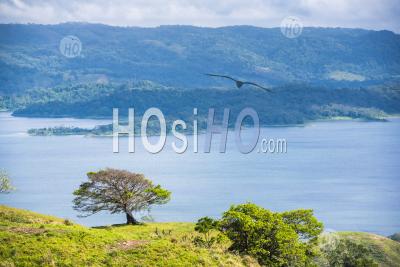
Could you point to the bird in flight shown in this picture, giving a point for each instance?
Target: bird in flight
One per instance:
(239, 84)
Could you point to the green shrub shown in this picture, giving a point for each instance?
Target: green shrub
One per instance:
(68, 222)
(395, 237)
(205, 226)
(274, 239)
(348, 253)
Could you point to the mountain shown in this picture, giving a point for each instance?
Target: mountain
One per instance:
(178, 56)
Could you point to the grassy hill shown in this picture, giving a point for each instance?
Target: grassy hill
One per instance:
(385, 251)
(28, 238)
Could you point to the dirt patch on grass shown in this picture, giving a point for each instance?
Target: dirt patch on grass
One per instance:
(130, 244)
(377, 237)
(34, 231)
(27, 230)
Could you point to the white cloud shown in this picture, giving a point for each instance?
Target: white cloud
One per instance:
(369, 14)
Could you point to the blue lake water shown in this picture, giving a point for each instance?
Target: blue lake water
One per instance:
(347, 171)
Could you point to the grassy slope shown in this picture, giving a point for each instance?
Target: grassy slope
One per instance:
(28, 238)
(384, 250)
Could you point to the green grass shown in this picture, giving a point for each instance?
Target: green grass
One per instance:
(28, 238)
(31, 239)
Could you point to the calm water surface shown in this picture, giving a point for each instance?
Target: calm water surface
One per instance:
(347, 171)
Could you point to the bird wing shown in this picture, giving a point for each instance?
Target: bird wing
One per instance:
(222, 76)
(264, 88)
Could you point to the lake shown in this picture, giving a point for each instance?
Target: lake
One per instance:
(347, 171)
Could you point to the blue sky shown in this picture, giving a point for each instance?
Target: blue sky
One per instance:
(369, 14)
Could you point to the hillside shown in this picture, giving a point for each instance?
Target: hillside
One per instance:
(295, 104)
(384, 250)
(29, 238)
(178, 56)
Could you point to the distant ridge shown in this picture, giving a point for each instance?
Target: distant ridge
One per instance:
(178, 55)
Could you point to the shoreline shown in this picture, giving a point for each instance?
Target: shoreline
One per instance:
(201, 131)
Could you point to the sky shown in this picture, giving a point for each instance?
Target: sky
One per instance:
(367, 14)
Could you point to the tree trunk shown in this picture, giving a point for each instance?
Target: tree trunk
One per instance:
(130, 219)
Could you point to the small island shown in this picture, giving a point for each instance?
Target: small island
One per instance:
(58, 130)
(153, 129)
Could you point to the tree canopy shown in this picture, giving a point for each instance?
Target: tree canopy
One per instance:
(118, 191)
(274, 239)
(5, 184)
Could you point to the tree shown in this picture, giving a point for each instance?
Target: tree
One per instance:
(205, 226)
(348, 253)
(274, 239)
(118, 191)
(5, 184)
(395, 237)
(306, 226)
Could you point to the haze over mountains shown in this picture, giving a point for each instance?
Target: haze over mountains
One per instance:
(178, 56)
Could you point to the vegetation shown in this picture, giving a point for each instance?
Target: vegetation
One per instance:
(358, 249)
(59, 130)
(118, 191)
(5, 184)
(395, 237)
(207, 226)
(274, 239)
(346, 252)
(295, 104)
(153, 128)
(38, 81)
(179, 55)
(31, 239)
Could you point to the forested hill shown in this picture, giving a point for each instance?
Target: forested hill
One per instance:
(178, 56)
(285, 105)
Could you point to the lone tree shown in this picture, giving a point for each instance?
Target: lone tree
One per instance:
(118, 191)
(5, 184)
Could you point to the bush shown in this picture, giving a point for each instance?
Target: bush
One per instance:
(348, 253)
(274, 239)
(68, 222)
(395, 237)
(205, 226)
